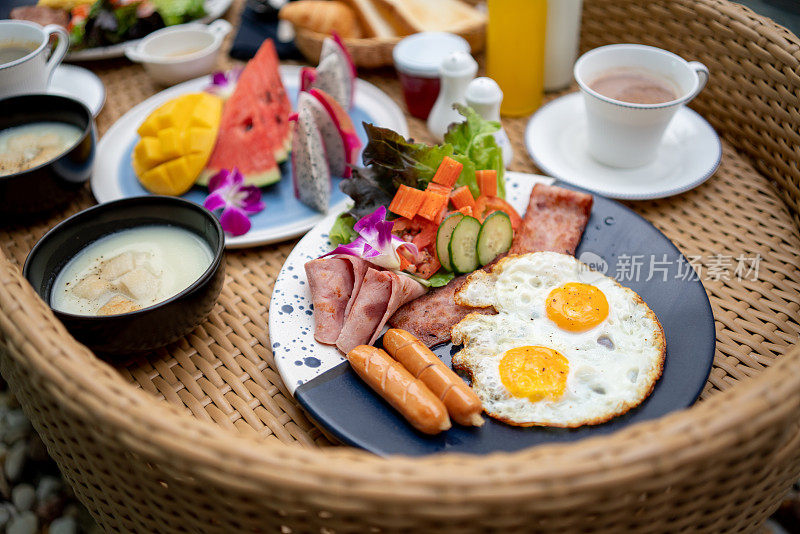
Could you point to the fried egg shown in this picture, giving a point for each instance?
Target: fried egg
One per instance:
(568, 347)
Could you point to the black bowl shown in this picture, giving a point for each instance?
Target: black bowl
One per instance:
(148, 328)
(56, 182)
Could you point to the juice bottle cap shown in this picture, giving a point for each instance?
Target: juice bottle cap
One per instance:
(422, 54)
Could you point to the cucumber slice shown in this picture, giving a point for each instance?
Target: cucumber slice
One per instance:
(443, 235)
(494, 237)
(463, 245)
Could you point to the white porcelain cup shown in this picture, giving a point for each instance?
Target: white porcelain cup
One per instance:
(623, 134)
(30, 73)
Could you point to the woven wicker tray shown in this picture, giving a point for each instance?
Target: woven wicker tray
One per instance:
(202, 436)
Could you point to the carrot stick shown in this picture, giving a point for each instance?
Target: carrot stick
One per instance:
(407, 201)
(487, 182)
(433, 203)
(438, 188)
(448, 172)
(462, 197)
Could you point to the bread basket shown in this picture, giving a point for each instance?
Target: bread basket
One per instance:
(375, 52)
(203, 436)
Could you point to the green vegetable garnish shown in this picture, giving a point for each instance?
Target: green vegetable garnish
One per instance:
(474, 138)
(342, 231)
(179, 11)
(441, 278)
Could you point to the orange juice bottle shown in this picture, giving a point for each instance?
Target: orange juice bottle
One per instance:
(515, 41)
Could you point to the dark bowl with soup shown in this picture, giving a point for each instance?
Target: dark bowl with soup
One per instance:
(86, 269)
(47, 149)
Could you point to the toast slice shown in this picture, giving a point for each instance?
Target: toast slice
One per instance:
(432, 15)
(375, 20)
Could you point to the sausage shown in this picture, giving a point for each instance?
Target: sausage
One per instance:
(405, 393)
(462, 403)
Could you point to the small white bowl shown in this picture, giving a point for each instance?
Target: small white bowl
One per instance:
(179, 53)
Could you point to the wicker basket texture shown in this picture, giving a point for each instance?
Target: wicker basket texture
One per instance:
(202, 436)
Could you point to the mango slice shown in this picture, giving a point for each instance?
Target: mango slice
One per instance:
(176, 142)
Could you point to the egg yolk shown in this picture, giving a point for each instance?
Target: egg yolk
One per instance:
(534, 372)
(576, 307)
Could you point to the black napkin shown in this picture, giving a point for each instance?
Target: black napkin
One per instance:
(259, 22)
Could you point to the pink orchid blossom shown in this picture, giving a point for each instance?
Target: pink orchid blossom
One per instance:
(236, 200)
(223, 83)
(375, 242)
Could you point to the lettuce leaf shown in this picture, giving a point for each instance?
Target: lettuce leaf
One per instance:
(441, 278)
(474, 139)
(390, 160)
(179, 11)
(369, 188)
(342, 231)
(399, 161)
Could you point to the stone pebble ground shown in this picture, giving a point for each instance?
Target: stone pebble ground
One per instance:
(34, 498)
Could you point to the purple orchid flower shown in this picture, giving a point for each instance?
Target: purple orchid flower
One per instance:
(223, 83)
(236, 200)
(375, 242)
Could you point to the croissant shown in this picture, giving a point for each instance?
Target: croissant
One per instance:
(322, 16)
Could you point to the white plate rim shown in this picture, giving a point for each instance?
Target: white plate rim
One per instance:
(285, 287)
(214, 10)
(98, 107)
(105, 187)
(610, 193)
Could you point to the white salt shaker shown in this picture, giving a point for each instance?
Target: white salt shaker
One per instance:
(561, 42)
(456, 71)
(485, 96)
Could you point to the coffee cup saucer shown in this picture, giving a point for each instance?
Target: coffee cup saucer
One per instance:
(81, 84)
(556, 140)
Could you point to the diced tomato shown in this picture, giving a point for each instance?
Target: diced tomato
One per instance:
(418, 230)
(405, 263)
(427, 233)
(485, 205)
(428, 265)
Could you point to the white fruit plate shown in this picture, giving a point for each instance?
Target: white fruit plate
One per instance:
(284, 217)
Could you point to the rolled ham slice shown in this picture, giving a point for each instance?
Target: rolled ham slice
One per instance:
(368, 308)
(334, 282)
(380, 295)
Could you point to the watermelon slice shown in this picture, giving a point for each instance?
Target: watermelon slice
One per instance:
(254, 133)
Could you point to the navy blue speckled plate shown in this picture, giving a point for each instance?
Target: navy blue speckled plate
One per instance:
(617, 241)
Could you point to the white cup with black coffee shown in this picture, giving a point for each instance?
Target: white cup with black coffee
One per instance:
(26, 59)
(631, 93)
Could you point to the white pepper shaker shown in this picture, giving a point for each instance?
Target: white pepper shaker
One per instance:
(456, 71)
(485, 96)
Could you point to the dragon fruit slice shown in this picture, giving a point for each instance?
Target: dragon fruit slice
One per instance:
(310, 171)
(343, 128)
(308, 75)
(331, 138)
(334, 46)
(333, 77)
(335, 74)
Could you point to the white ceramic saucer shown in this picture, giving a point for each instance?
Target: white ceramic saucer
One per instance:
(688, 156)
(80, 84)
